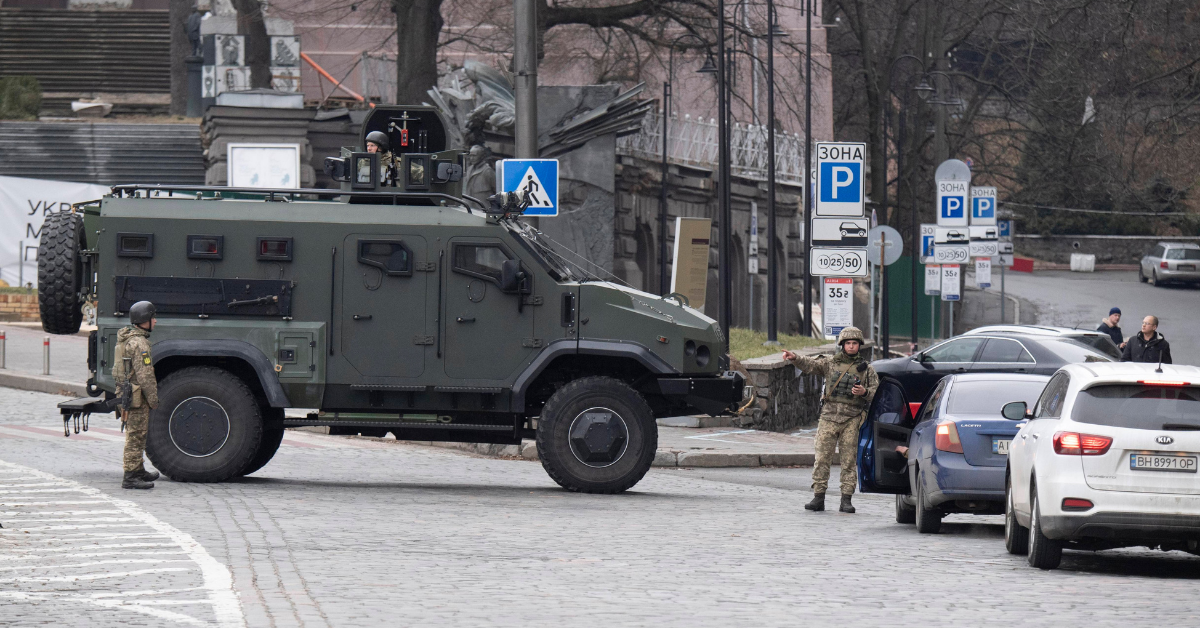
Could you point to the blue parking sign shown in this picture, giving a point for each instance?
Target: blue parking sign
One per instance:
(1006, 229)
(840, 188)
(840, 182)
(538, 176)
(952, 207)
(952, 203)
(983, 206)
(926, 246)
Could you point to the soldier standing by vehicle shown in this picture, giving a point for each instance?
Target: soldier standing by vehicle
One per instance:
(133, 371)
(850, 384)
(377, 142)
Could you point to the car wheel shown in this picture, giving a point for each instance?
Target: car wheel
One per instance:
(904, 512)
(1044, 553)
(928, 520)
(596, 435)
(207, 427)
(1016, 536)
(1154, 279)
(267, 448)
(1141, 274)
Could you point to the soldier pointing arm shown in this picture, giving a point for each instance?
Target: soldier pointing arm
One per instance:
(850, 385)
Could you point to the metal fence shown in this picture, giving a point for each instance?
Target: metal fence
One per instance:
(693, 141)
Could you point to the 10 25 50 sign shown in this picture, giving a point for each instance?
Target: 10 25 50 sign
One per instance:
(838, 262)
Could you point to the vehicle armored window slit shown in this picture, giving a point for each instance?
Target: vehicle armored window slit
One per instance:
(274, 249)
(205, 247)
(135, 245)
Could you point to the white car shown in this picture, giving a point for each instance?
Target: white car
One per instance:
(1107, 458)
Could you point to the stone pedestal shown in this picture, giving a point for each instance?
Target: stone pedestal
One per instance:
(225, 125)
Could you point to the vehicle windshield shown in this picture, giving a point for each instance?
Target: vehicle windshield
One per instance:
(553, 261)
(1139, 406)
(989, 397)
(1103, 344)
(1192, 254)
(1072, 351)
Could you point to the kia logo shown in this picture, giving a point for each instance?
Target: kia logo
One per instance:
(1164, 440)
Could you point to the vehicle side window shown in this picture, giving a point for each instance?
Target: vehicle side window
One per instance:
(1159, 251)
(960, 350)
(1004, 350)
(934, 398)
(480, 260)
(1050, 404)
(392, 256)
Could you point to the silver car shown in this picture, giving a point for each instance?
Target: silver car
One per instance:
(1171, 261)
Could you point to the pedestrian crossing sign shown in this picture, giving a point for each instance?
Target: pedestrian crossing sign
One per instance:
(539, 176)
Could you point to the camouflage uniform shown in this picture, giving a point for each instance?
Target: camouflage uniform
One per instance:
(842, 414)
(134, 343)
(388, 163)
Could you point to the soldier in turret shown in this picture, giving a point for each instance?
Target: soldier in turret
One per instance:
(377, 142)
(133, 371)
(850, 384)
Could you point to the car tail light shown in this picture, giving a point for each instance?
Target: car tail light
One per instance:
(946, 438)
(1074, 503)
(1162, 382)
(1074, 444)
(1162, 265)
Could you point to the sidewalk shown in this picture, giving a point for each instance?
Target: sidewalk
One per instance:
(23, 361)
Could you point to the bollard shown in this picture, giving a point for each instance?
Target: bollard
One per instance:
(3, 343)
(46, 356)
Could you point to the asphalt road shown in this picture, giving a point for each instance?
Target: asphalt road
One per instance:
(363, 532)
(1083, 299)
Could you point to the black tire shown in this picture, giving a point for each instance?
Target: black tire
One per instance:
(214, 415)
(271, 438)
(1154, 279)
(928, 520)
(1016, 536)
(1044, 553)
(1141, 274)
(609, 401)
(904, 512)
(60, 273)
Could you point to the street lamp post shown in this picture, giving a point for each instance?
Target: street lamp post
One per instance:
(662, 197)
(885, 318)
(725, 264)
(773, 31)
(808, 178)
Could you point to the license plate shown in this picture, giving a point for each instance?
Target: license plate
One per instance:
(1149, 462)
(1000, 446)
(1186, 267)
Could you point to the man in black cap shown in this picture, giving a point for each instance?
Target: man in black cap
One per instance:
(1109, 326)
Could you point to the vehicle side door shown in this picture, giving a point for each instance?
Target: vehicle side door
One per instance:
(881, 469)
(489, 334)
(1033, 439)
(383, 314)
(1004, 355)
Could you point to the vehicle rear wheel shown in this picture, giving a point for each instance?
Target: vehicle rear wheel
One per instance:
(1044, 553)
(60, 272)
(928, 520)
(596, 435)
(207, 427)
(904, 512)
(1154, 279)
(1141, 274)
(1016, 536)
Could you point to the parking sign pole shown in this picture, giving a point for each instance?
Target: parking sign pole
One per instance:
(809, 197)
(1002, 297)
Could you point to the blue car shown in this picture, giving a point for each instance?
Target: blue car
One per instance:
(957, 445)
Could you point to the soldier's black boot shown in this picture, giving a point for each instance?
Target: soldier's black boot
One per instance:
(846, 505)
(817, 504)
(147, 476)
(134, 480)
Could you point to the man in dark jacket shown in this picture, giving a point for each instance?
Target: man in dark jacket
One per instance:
(1109, 326)
(1148, 346)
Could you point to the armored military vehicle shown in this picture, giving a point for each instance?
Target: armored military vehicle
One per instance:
(395, 304)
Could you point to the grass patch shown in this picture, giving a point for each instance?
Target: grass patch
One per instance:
(745, 344)
(14, 290)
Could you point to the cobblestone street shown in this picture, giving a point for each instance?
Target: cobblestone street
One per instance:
(364, 532)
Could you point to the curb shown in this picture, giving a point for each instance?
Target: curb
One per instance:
(663, 458)
(42, 384)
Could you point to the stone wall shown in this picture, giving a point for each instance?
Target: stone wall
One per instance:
(19, 306)
(1107, 249)
(784, 398)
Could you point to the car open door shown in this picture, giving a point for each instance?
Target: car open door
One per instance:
(881, 469)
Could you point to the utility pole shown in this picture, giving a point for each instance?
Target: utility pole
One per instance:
(772, 269)
(725, 264)
(808, 178)
(525, 79)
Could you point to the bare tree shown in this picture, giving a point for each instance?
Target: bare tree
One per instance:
(251, 24)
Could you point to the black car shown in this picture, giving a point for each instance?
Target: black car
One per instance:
(984, 353)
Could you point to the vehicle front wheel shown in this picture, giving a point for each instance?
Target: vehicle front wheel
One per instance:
(1016, 536)
(207, 427)
(1044, 553)
(928, 520)
(596, 435)
(904, 512)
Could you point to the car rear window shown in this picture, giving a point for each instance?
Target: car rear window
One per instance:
(1072, 351)
(1193, 254)
(1103, 344)
(1139, 407)
(989, 397)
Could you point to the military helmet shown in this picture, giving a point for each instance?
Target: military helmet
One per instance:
(381, 139)
(850, 333)
(141, 312)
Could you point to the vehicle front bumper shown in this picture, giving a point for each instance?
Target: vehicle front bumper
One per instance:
(714, 396)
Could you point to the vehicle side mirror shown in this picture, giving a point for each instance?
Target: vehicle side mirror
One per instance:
(921, 357)
(512, 278)
(1014, 410)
